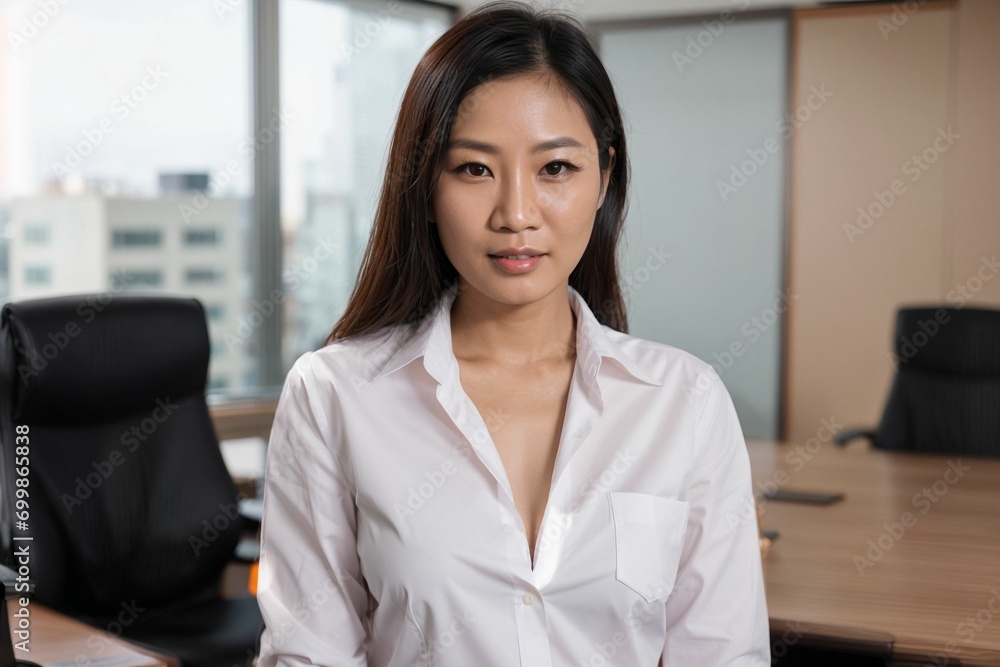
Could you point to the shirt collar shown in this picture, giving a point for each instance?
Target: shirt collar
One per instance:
(431, 339)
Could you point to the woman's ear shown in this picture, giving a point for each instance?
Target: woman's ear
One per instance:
(606, 176)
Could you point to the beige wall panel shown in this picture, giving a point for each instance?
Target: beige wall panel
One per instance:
(888, 103)
(975, 224)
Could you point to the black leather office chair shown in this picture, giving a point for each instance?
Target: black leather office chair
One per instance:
(945, 397)
(132, 510)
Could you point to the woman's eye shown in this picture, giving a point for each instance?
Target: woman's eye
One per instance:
(556, 168)
(473, 169)
(560, 166)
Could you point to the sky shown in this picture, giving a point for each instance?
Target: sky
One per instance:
(122, 90)
(92, 62)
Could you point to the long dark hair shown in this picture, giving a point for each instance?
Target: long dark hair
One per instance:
(405, 270)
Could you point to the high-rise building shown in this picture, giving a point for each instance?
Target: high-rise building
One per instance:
(343, 183)
(91, 242)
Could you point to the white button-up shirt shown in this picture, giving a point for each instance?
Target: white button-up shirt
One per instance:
(390, 534)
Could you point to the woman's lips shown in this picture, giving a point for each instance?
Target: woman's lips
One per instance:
(517, 266)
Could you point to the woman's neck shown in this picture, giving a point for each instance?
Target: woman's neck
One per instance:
(483, 329)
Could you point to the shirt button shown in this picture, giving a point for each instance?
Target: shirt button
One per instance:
(578, 434)
(528, 599)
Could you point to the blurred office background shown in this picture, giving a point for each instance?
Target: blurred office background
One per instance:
(799, 172)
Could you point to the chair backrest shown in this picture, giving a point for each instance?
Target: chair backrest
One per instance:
(945, 397)
(130, 498)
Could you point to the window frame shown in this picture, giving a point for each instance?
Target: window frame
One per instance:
(267, 249)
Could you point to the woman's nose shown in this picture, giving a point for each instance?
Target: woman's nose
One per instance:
(517, 205)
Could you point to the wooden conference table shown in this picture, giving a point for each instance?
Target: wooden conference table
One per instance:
(59, 641)
(911, 554)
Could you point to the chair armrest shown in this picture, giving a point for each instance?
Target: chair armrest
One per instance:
(849, 434)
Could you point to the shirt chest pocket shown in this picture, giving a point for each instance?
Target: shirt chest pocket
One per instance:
(649, 538)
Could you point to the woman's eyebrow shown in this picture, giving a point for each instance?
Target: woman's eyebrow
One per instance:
(558, 142)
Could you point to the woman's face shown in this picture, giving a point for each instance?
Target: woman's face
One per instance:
(521, 170)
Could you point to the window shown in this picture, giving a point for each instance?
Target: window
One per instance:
(152, 151)
(201, 237)
(36, 234)
(343, 71)
(214, 312)
(129, 153)
(143, 279)
(37, 275)
(133, 238)
(218, 383)
(198, 276)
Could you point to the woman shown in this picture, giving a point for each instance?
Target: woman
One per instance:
(482, 467)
